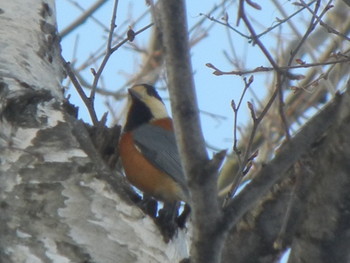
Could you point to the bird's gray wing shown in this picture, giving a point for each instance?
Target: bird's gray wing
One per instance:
(159, 147)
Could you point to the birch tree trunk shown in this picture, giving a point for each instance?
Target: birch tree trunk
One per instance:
(59, 202)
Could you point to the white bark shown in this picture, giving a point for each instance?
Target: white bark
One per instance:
(55, 202)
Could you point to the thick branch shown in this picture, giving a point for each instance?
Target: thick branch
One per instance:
(200, 171)
(323, 234)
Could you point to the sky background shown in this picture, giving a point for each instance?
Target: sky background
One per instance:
(214, 92)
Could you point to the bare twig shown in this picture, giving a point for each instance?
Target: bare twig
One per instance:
(276, 25)
(256, 120)
(115, 94)
(311, 27)
(108, 52)
(80, 20)
(226, 23)
(242, 167)
(326, 26)
(235, 111)
(215, 7)
(242, 15)
(89, 105)
(280, 22)
(281, 106)
(116, 47)
(219, 72)
(314, 21)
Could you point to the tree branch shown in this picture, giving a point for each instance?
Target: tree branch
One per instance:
(201, 173)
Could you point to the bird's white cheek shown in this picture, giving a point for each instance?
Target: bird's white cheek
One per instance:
(158, 109)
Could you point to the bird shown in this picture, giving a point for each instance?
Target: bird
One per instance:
(148, 150)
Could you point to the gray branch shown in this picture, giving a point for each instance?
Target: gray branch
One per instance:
(200, 171)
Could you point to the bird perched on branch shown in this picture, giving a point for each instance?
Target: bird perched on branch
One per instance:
(148, 148)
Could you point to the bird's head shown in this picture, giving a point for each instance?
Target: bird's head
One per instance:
(145, 105)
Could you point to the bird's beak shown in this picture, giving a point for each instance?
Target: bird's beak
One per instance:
(134, 94)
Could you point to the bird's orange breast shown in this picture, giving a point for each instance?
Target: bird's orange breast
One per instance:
(143, 174)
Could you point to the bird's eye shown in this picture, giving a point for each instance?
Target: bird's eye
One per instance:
(151, 91)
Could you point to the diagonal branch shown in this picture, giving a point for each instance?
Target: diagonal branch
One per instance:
(276, 169)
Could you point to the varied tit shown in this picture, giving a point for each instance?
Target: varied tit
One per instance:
(148, 148)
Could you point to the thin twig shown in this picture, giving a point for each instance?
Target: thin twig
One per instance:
(100, 52)
(328, 27)
(86, 100)
(281, 106)
(307, 33)
(285, 20)
(256, 120)
(227, 24)
(80, 20)
(236, 109)
(116, 94)
(116, 47)
(108, 52)
(242, 168)
(215, 7)
(256, 40)
(314, 21)
(219, 72)
(280, 22)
